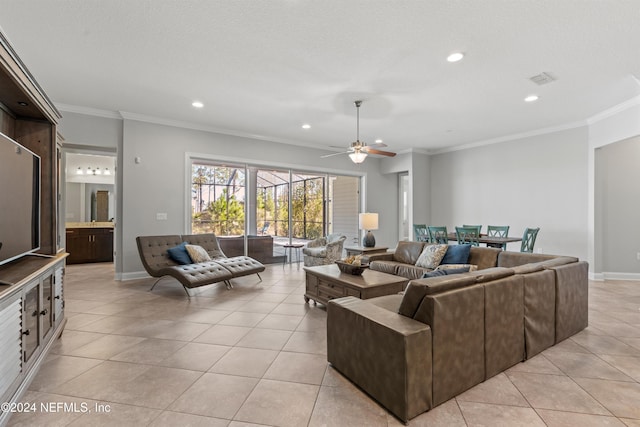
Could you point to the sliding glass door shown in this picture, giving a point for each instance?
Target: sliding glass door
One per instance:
(256, 211)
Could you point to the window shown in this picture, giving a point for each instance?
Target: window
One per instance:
(218, 199)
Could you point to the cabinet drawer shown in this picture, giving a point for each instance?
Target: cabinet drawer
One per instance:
(329, 290)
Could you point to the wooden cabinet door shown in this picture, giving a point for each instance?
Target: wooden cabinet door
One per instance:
(103, 245)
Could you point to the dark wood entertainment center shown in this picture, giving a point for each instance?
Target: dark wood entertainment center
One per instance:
(31, 287)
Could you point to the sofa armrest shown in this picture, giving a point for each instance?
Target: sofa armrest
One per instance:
(386, 256)
(386, 354)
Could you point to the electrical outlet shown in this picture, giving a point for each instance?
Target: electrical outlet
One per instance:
(161, 216)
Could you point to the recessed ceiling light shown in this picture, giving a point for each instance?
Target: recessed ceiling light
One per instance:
(306, 126)
(531, 98)
(455, 57)
(378, 141)
(197, 104)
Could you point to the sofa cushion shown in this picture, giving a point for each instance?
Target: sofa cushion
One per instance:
(408, 252)
(179, 254)
(385, 266)
(484, 257)
(446, 271)
(418, 289)
(197, 253)
(431, 256)
(511, 259)
(411, 272)
(456, 254)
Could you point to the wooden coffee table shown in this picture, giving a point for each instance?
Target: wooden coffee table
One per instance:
(326, 282)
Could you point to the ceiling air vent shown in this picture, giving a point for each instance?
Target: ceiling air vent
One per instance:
(542, 78)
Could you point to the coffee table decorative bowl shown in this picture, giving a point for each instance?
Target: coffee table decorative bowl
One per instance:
(355, 269)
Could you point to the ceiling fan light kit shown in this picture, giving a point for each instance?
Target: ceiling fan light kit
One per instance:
(359, 150)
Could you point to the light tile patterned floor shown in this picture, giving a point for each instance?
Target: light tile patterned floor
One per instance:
(256, 355)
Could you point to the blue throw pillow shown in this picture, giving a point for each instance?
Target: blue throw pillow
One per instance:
(179, 254)
(435, 273)
(457, 254)
(446, 272)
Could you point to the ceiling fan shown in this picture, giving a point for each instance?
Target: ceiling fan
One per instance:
(359, 150)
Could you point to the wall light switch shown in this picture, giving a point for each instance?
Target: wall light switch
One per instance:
(161, 216)
(138, 160)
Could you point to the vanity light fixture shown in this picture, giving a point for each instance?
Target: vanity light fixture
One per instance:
(79, 171)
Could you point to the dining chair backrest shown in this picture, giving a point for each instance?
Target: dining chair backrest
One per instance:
(420, 233)
(529, 239)
(498, 231)
(438, 234)
(479, 227)
(468, 235)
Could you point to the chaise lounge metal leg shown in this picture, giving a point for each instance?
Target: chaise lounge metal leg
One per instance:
(187, 291)
(154, 284)
(259, 276)
(228, 284)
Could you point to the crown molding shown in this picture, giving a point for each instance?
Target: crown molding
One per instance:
(88, 111)
(616, 109)
(512, 137)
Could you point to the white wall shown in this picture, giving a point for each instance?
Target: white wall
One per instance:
(618, 195)
(158, 183)
(539, 181)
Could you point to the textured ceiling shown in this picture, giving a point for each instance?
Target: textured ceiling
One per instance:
(264, 68)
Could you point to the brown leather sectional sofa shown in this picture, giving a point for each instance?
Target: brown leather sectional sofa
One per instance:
(156, 261)
(445, 334)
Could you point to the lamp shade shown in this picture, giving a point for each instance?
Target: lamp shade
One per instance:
(368, 221)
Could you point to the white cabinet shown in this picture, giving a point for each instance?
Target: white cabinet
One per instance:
(11, 344)
(31, 318)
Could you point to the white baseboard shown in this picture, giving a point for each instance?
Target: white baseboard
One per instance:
(607, 275)
(132, 276)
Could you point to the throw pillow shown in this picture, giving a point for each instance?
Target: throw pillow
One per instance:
(197, 253)
(434, 273)
(457, 254)
(431, 256)
(179, 254)
(468, 267)
(446, 271)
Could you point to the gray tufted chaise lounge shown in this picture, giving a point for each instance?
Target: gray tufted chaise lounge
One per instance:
(156, 261)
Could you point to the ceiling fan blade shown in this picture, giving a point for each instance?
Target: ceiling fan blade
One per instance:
(334, 154)
(379, 152)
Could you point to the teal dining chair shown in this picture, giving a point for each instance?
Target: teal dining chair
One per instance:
(529, 239)
(420, 233)
(498, 231)
(479, 227)
(468, 235)
(438, 234)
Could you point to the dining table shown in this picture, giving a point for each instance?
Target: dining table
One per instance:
(491, 241)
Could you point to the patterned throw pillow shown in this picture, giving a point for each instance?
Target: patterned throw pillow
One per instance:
(431, 256)
(198, 253)
(469, 267)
